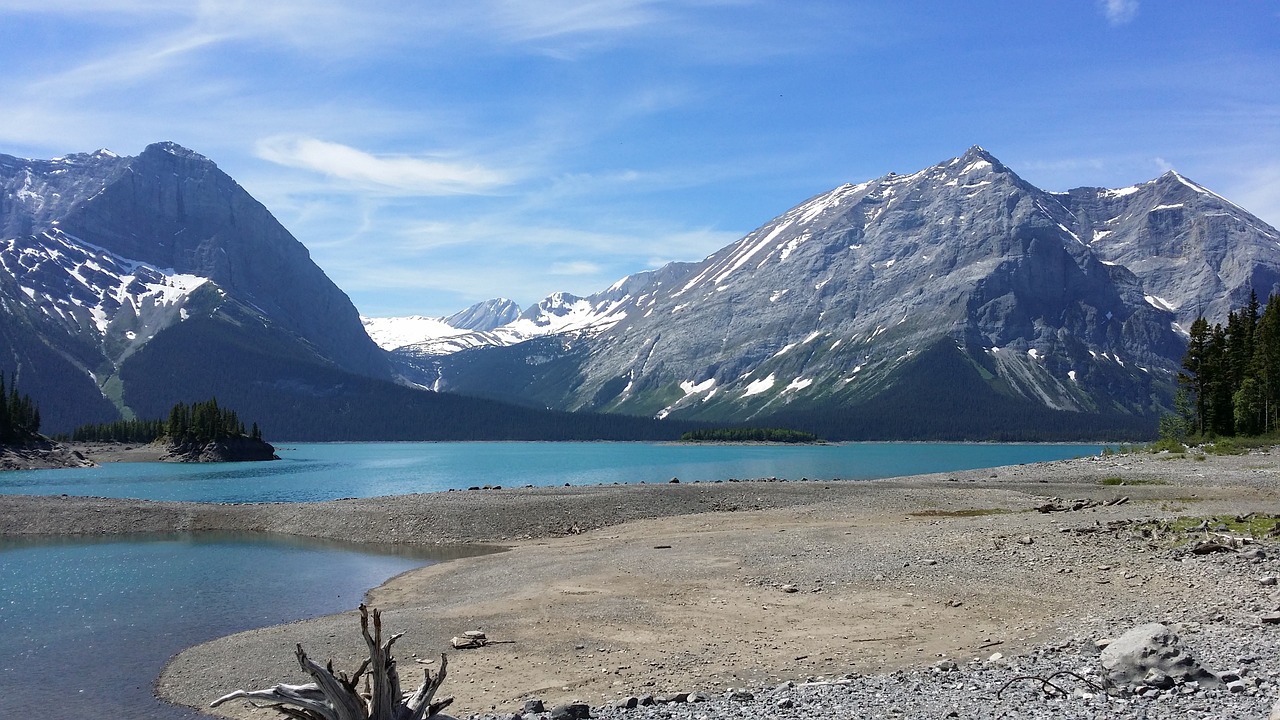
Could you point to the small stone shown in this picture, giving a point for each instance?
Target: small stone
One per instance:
(1026, 540)
(741, 695)
(790, 589)
(532, 706)
(1267, 580)
(627, 703)
(1271, 618)
(785, 704)
(1156, 677)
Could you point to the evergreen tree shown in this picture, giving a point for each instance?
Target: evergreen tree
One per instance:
(1196, 363)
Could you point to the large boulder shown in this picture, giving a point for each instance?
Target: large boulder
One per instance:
(1151, 654)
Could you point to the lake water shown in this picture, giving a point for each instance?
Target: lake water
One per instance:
(88, 625)
(311, 472)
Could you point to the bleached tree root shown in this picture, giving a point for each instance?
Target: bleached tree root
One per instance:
(335, 696)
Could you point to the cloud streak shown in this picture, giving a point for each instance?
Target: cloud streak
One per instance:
(394, 174)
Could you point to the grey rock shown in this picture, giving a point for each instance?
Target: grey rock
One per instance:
(532, 706)
(571, 711)
(1128, 659)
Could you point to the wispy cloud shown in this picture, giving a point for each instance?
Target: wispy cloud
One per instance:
(396, 174)
(1119, 12)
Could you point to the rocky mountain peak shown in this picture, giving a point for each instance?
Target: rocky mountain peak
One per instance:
(485, 316)
(172, 148)
(1071, 301)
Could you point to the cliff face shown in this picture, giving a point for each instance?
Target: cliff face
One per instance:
(1060, 309)
(103, 254)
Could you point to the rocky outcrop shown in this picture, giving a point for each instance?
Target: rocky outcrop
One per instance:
(237, 449)
(40, 453)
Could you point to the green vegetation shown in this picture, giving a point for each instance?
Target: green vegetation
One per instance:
(1231, 378)
(776, 435)
(198, 422)
(19, 416)
(1117, 480)
(128, 431)
(1253, 524)
(205, 421)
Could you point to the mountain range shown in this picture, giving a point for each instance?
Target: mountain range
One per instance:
(957, 302)
(133, 283)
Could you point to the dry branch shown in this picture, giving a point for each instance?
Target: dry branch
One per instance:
(334, 696)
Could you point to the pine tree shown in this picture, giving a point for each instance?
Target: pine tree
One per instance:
(1196, 362)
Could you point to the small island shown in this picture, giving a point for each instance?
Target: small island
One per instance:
(199, 432)
(749, 435)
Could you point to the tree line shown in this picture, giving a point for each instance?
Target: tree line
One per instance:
(1230, 384)
(777, 435)
(198, 422)
(205, 421)
(19, 415)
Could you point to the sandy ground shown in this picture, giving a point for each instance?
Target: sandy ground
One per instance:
(620, 590)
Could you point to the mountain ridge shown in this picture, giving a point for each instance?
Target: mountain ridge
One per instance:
(824, 305)
(133, 283)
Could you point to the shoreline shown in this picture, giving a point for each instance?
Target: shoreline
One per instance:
(607, 591)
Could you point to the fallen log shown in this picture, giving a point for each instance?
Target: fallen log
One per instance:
(338, 697)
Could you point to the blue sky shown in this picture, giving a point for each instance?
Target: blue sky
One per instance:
(435, 154)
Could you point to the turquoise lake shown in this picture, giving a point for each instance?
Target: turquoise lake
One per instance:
(107, 614)
(312, 472)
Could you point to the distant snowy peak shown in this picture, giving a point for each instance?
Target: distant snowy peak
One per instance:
(484, 316)
(558, 313)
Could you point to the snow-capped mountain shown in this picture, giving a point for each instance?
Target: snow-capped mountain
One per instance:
(497, 322)
(907, 299)
(103, 254)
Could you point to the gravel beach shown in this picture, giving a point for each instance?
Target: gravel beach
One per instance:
(908, 597)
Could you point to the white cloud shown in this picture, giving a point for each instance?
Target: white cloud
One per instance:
(396, 174)
(575, 267)
(1119, 12)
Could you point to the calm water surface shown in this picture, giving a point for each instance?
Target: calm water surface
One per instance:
(86, 627)
(89, 625)
(310, 472)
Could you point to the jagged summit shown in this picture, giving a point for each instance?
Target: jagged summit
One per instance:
(961, 277)
(172, 148)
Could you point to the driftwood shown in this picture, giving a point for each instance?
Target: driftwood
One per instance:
(339, 697)
(1060, 505)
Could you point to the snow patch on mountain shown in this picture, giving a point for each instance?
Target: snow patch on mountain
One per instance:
(391, 333)
(91, 288)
